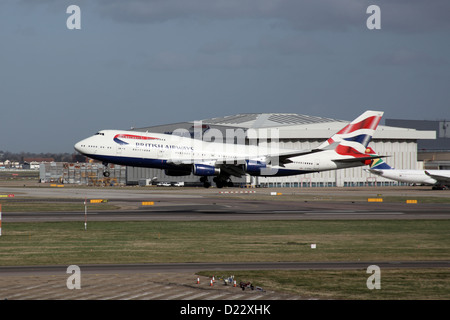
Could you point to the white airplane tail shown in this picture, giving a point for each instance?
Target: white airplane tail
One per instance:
(355, 137)
(350, 143)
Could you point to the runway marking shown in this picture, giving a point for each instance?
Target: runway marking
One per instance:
(32, 292)
(218, 296)
(355, 213)
(201, 294)
(158, 295)
(142, 294)
(116, 296)
(290, 211)
(176, 296)
(256, 297)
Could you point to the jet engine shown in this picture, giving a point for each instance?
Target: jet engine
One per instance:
(205, 170)
(254, 167)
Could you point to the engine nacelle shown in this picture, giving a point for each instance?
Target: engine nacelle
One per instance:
(176, 173)
(205, 170)
(254, 167)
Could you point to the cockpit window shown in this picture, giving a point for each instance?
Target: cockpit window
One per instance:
(100, 133)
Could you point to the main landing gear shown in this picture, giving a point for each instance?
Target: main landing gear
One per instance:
(221, 181)
(205, 182)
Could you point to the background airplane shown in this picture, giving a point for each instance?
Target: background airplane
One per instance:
(439, 179)
(180, 156)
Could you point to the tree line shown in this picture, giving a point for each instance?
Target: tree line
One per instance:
(57, 157)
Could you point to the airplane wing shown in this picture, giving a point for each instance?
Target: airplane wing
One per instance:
(283, 157)
(233, 168)
(439, 177)
(274, 158)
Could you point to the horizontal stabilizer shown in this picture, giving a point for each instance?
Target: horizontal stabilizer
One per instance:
(358, 158)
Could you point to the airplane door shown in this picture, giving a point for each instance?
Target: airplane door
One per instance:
(316, 164)
(161, 153)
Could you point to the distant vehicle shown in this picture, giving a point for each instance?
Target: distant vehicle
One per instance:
(439, 179)
(181, 156)
(164, 184)
(179, 184)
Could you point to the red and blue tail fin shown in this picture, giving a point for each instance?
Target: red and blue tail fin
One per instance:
(355, 137)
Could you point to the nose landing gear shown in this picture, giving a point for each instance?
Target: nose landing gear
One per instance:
(106, 172)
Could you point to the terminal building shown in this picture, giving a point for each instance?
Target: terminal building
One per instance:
(293, 131)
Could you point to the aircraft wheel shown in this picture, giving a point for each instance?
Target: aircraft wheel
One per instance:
(106, 174)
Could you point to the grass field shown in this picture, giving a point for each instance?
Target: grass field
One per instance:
(207, 241)
(32, 205)
(66, 243)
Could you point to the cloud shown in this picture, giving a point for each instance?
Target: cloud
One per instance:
(298, 44)
(216, 46)
(415, 16)
(407, 58)
(309, 14)
(405, 16)
(399, 16)
(172, 61)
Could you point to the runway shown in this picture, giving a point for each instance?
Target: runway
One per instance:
(198, 209)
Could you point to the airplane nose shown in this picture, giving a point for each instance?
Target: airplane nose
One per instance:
(78, 147)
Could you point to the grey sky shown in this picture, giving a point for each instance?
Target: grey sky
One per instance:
(141, 63)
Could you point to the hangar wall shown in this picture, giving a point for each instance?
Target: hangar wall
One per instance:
(300, 132)
(400, 154)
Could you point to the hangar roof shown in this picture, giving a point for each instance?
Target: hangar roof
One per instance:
(293, 126)
(267, 120)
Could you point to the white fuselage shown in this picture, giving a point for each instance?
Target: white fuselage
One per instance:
(409, 176)
(164, 151)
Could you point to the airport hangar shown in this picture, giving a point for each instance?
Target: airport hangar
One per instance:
(294, 131)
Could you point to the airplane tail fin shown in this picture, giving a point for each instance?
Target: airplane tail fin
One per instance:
(350, 143)
(355, 137)
(377, 163)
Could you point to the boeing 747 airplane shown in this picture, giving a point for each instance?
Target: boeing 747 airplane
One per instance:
(439, 179)
(179, 156)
